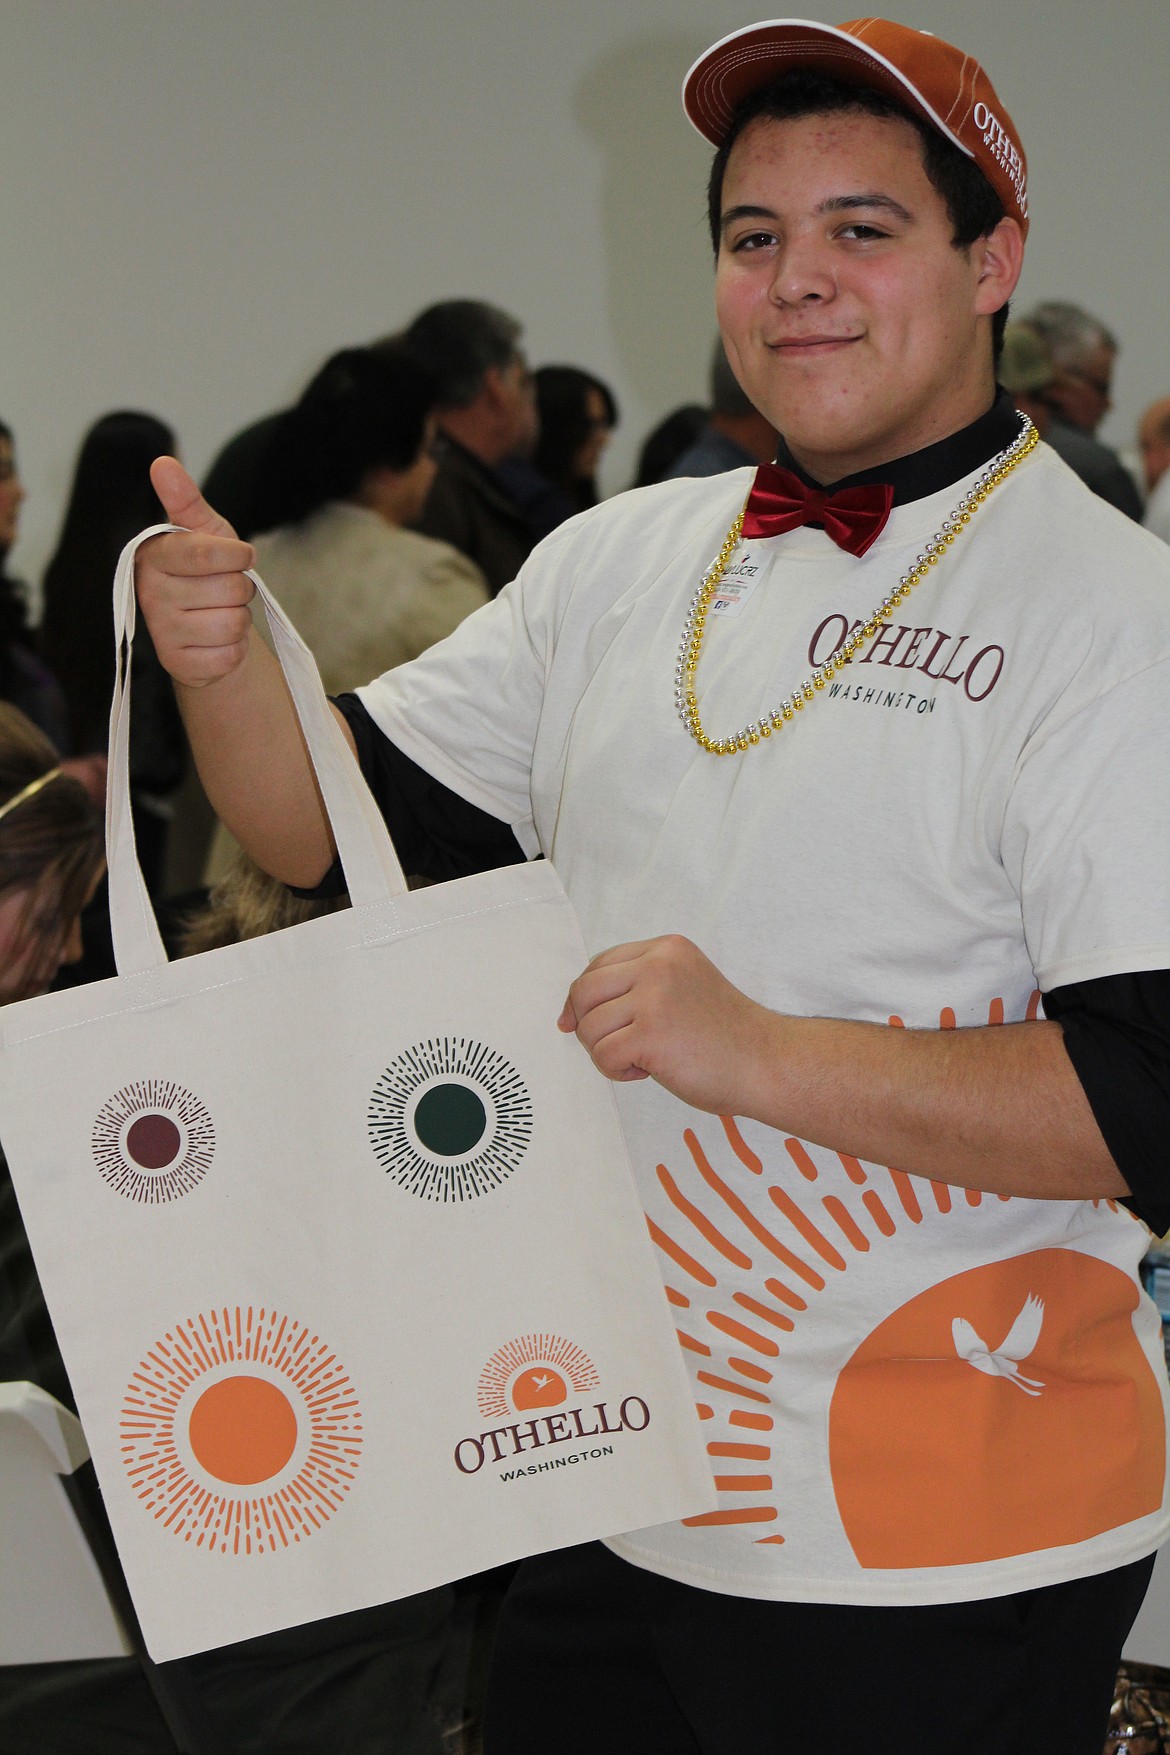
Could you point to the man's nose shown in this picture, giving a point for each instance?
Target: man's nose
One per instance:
(802, 272)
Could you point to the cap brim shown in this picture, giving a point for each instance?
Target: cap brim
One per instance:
(738, 64)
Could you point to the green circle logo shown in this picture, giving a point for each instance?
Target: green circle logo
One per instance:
(450, 1119)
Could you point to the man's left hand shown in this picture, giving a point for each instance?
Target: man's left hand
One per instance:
(660, 1009)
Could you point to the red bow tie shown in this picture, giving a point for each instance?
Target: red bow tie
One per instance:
(854, 517)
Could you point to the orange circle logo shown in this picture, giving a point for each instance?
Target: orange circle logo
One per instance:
(538, 1387)
(1003, 1404)
(241, 1431)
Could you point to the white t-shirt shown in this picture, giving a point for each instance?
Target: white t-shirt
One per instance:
(911, 1393)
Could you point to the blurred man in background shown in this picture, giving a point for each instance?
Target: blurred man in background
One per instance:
(1084, 354)
(486, 415)
(1154, 439)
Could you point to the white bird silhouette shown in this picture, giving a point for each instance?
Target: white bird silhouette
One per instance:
(1003, 1361)
(539, 1382)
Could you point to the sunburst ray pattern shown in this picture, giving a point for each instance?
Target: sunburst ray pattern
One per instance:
(517, 1366)
(153, 1141)
(740, 1338)
(450, 1119)
(241, 1432)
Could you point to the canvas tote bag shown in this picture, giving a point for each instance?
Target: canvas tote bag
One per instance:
(339, 1235)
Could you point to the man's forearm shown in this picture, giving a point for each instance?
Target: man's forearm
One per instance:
(997, 1108)
(255, 768)
(195, 593)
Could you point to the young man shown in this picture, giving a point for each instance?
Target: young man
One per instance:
(839, 783)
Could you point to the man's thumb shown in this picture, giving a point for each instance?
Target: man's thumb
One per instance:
(182, 501)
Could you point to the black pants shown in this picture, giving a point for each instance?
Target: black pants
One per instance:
(593, 1653)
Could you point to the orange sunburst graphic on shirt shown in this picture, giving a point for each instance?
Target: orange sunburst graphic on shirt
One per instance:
(802, 1249)
(966, 1393)
(534, 1371)
(241, 1431)
(153, 1140)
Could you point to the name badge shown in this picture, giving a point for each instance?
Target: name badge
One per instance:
(737, 584)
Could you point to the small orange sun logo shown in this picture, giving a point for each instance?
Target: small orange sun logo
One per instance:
(533, 1371)
(240, 1431)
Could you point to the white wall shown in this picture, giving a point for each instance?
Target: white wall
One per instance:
(202, 198)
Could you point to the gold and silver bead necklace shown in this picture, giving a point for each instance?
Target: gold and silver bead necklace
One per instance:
(685, 698)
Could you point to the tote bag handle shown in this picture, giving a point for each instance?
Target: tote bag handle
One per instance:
(367, 855)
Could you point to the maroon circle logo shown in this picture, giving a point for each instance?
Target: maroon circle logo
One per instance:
(153, 1141)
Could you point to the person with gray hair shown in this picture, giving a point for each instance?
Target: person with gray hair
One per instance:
(1083, 353)
(486, 417)
(1154, 440)
(460, 341)
(1026, 370)
(736, 432)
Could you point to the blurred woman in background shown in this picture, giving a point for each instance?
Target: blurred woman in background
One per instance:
(24, 680)
(111, 499)
(578, 414)
(346, 469)
(51, 857)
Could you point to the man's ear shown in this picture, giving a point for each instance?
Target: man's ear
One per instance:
(1000, 259)
(494, 387)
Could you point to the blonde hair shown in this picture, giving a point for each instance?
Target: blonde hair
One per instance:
(51, 841)
(247, 903)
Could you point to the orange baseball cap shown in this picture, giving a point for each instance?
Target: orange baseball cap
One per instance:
(938, 82)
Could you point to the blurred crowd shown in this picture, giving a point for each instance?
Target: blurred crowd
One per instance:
(404, 488)
(408, 484)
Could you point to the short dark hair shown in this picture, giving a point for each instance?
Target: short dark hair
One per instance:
(459, 341)
(664, 444)
(972, 205)
(365, 409)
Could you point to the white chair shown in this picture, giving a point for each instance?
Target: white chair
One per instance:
(53, 1604)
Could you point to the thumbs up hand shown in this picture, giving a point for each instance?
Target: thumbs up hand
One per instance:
(191, 584)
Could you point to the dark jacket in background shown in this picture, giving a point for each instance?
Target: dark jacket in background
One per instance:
(470, 507)
(1098, 467)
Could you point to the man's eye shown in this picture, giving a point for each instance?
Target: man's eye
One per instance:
(754, 241)
(862, 232)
